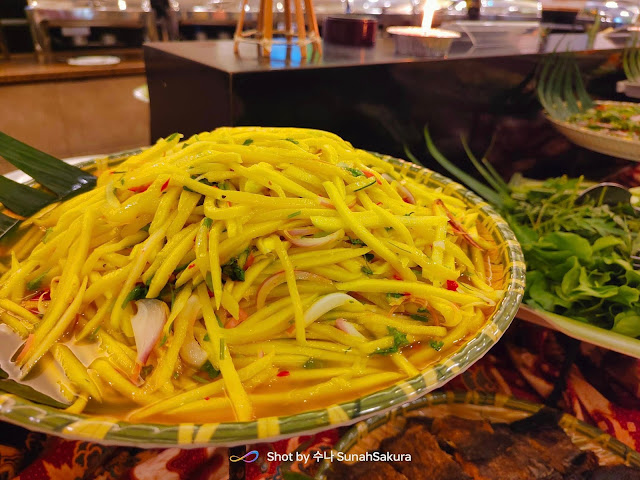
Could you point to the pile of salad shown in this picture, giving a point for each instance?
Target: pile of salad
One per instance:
(577, 255)
(577, 252)
(617, 119)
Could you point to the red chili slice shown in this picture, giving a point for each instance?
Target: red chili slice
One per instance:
(452, 285)
(284, 373)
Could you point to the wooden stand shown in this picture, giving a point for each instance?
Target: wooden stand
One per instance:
(263, 34)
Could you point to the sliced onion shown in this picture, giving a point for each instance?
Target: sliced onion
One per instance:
(324, 305)
(191, 351)
(304, 231)
(406, 195)
(147, 326)
(314, 242)
(349, 328)
(279, 278)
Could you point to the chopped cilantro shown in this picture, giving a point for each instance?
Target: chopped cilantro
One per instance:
(294, 214)
(248, 141)
(292, 140)
(232, 270)
(399, 341)
(199, 379)
(420, 318)
(210, 370)
(436, 345)
(172, 136)
(180, 268)
(207, 222)
(138, 292)
(312, 363)
(394, 295)
(373, 181)
(366, 270)
(354, 171)
(36, 282)
(356, 241)
(146, 371)
(368, 256)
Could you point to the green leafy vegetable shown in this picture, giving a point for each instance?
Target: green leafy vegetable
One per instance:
(577, 251)
(139, 291)
(294, 214)
(248, 141)
(232, 270)
(354, 171)
(399, 341)
(210, 370)
(436, 345)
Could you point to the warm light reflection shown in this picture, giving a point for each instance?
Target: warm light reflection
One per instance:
(122, 4)
(427, 14)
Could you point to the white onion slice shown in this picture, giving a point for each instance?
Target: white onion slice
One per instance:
(324, 305)
(314, 242)
(407, 196)
(349, 328)
(304, 231)
(279, 278)
(191, 351)
(147, 326)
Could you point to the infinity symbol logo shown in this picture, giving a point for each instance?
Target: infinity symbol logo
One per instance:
(248, 457)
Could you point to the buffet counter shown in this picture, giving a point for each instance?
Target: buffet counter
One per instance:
(73, 110)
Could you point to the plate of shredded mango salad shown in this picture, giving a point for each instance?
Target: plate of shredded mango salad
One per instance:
(245, 284)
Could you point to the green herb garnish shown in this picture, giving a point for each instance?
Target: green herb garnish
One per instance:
(232, 270)
(354, 171)
(436, 345)
(210, 370)
(248, 141)
(373, 181)
(366, 270)
(399, 341)
(139, 291)
(294, 214)
(292, 140)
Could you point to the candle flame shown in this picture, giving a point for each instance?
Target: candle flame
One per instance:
(427, 14)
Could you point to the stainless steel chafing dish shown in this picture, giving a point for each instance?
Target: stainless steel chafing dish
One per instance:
(43, 14)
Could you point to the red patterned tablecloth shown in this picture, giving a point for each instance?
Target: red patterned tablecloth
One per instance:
(530, 362)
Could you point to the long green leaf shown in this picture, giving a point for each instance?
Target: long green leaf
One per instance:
(54, 174)
(480, 188)
(26, 392)
(484, 172)
(21, 199)
(6, 224)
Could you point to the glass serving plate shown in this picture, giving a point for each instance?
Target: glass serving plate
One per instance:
(113, 431)
(600, 141)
